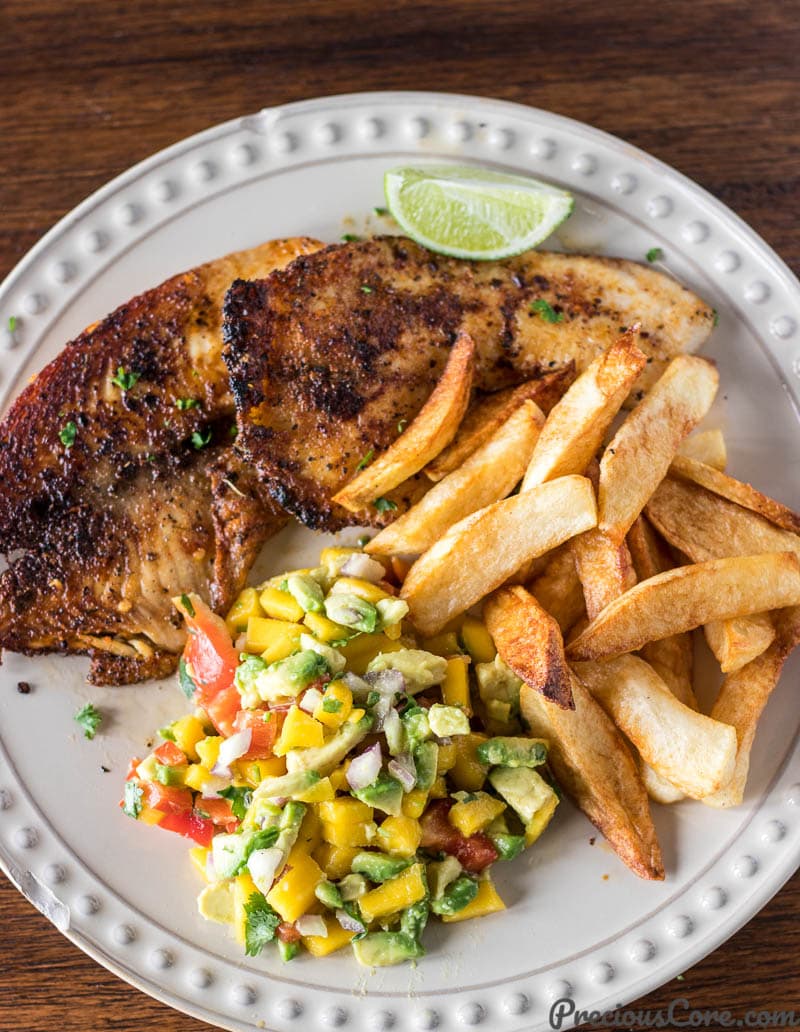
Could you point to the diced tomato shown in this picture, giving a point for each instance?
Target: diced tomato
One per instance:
(190, 826)
(474, 853)
(287, 932)
(265, 732)
(167, 798)
(220, 812)
(132, 766)
(212, 661)
(170, 755)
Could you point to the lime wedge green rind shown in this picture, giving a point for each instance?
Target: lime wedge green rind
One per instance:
(474, 213)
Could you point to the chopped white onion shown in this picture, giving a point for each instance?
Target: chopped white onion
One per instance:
(393, 730)
(211, 871)
(404, 769)
(361, 566)
(356, 684)
(364, 769)
(234, 747)
(263, 865)
(390, 681)
(380, 711)
(224, 775)
(312, 924)
(311, 699)
(349, 923)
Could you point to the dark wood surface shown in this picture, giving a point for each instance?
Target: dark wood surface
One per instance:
(87, 89)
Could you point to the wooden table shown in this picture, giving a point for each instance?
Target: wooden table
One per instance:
(87, 89)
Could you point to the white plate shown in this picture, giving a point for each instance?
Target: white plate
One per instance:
(579, 924)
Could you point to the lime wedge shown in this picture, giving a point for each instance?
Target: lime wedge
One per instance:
(474, 213)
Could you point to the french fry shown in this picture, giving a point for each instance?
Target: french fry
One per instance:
(488, 475)
(736, 491)
(558, 590)
(529, 641)
(595, 768)
(481, 552)
(604, 569)
(742, 698)
(487, 414)
(706, 446)
(737, 642)
(657, 787)
(578, 422)
(642, 449)
(693, 752)
(704, 525)
(688, 597)
(432, 430)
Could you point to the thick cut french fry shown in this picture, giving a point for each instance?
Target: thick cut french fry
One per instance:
(693, 752)
(558, 589)
(577, 424)
(704, 525)
(658, 788)
(742, 698)
(642, 449)
(736, 491)
(487, 414)
(488, 475)
(595, 768)
(432, 430)
(529, 641)
(688, 597)
(604, 569)
(737, 642)
(706, 446)
(481, 552)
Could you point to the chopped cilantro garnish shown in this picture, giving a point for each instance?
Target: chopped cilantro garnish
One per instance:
(125, 380)
(284, 584)
(715, 314)
(200, 440)
(132, 801)
(546, 310)
(350, 237)
(89, 719)
(363, 541)
(233, 430)
(12, 323)
(381, 211)
(186, 403)
(385, 505)
(166, 732)
(339, 643)
(372, 699)
(655, 254)
(239, 798)
(366, 460)
(331, 705)
(260, 925)
(366, 289)
(186, 602)
(67, 434)
(188, 687)
(402, 424)
(204, 814)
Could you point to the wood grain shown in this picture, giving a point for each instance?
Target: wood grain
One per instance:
(87, 89)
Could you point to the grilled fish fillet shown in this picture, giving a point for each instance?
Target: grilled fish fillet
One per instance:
(150, 498)
(330, 355)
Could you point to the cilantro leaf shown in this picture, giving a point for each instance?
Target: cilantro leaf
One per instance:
(125, 380)
(715, 314)
(385, 505)
(365, 289)
(655, 254)
(132, 801)
(331, 705)
(260, 925)
(89, 719)
(67, 434)
(350, 237)
(233, 431)
(240, 799)
(186, 403)
(546, 311)
(381, 211)
(366, 460)
(200, 440)
(12, 323)
(188, 686)
(186, 602)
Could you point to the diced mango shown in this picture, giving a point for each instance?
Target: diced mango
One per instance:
(321, 792)
(280, 605)
(324, 629)
(335, 861)
(188, 732)
(355, 716)
(253, 772)
(394, 631)
(300, 731)
(309, 837)
(273, 639)
(395, 894)
(362, 588)
(400, 567)
(336, 705)
(339, 777)
(334, 557)
(446, 758)
(293, 893)
(217, 902)
(414, 802)
(345, 811)
(208, 750)
(147, 815)
(477, 640)
(439, 789)
(455, 690)
(444, 644)
(476, 814)
(245, 606)
(400, 836)
(243, 889)
(322, 945)
(366, 647)
(199, 857)
(348, 835)
(468, 773)
(487, 901)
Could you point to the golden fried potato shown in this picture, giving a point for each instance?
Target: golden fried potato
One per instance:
(738, 641)
(605, 569)
(558, 589)
(706, 446)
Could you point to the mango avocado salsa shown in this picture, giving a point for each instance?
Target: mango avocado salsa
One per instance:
(343, 781)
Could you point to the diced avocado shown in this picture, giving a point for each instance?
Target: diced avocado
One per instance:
(420, 669)
(447, 720)
(288, 677)
(245, 679)
(352, 611)
(508, 846)
(496, 680)
(288, 950)
(394, 730)
(426, 758)
(230, 853)
(286, 785)
(456, 896)
(513, 752)
(379, 867)
(328, 894)
(391, 611)
(147, 768)
(324, 758)
(382, 949)
(416, 725)
(385, 793)
(414, 918)
(305, 591)
(529, 794)
(261, 813)
(169, 775)
(441, 873)
(335, 660)
(353, 886)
